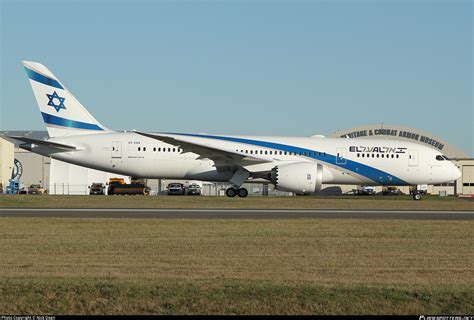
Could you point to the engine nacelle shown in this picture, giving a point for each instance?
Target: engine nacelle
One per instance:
(300, 177)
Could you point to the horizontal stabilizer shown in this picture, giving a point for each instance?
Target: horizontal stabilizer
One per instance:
(47, 146)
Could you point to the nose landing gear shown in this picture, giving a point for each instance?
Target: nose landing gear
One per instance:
(232, 192)
(417, 196)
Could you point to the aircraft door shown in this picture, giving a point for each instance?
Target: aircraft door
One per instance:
(116, 150)
(341, 156)
(413, 158)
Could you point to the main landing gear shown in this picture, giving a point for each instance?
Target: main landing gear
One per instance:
(232, 192)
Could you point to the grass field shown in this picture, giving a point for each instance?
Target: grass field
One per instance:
(265, 266)
(301, 202)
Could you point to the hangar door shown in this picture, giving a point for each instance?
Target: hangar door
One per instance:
(468, 180)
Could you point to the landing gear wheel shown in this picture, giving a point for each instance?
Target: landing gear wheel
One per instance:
(231, 192)
(242, 192)
(417, 196)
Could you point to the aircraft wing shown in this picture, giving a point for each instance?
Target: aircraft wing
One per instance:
(49, 146)
(204, 149)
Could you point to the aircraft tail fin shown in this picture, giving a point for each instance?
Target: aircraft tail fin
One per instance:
(62, 113)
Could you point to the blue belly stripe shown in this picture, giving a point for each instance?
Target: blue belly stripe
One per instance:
(374, 174)
(63, 122)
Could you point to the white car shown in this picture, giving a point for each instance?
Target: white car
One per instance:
(365, 190)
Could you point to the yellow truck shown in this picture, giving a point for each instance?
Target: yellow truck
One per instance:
(117, 186)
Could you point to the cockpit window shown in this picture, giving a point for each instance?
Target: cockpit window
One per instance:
(439, 158)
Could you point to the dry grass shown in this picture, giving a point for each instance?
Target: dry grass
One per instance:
(106, 296)
(59, 265)
(301, 202)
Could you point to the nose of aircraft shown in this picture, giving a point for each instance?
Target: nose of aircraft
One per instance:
(455, 172)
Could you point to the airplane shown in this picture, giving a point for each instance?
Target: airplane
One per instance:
(295, 164)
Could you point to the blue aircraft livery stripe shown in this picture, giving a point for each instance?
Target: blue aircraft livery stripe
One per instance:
(38, 77)
(374, 174)
(58, 121)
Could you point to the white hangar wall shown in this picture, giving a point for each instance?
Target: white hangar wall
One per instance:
(6, 163)
(35, 167)
(66, 178)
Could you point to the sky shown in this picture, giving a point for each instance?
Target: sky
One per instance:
(294, 68)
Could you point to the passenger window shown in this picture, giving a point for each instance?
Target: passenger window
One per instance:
(358, 155)
(138, 148)
(159, 149)
(169, 149)
(397, 156)
(154, 149)
(373, 155)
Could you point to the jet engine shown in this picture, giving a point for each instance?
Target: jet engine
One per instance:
(300, 177)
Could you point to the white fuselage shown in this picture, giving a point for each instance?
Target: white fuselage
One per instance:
(299, 164)
(345, 161)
